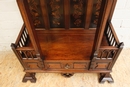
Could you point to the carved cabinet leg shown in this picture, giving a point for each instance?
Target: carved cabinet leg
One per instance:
(105, 77)
(29, 76)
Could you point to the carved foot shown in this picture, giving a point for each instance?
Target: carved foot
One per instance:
(29, 76)
(105, 77)
(67, 75)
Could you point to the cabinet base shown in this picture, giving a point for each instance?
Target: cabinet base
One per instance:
(29, 76)
(105, 77)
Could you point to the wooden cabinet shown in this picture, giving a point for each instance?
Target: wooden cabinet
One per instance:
(67, 36)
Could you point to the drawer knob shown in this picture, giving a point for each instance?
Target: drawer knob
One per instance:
(67, 66)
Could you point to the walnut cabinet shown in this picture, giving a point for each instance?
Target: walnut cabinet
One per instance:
(67, 37)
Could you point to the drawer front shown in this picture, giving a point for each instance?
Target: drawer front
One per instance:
(33, 66)
(53, 65)
(81, 65)
(66, 65)
(101, 65)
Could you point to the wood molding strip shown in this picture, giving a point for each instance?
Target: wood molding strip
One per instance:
(89, 8)
(45, 14)
(67, 13)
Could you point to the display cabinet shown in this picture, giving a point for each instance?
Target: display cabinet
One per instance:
(67, 37)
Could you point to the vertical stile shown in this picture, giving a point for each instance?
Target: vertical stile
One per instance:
(45, 14)
(89, 8)
(67, 13)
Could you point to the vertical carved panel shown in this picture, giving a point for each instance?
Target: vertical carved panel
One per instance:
(35, 10)
(95, 13)
(77, 13)
(55, 11)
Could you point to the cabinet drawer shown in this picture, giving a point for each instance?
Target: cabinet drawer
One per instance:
(66, 65)
(101, 65)
(53, 65)
(80, 65)
(33, 66)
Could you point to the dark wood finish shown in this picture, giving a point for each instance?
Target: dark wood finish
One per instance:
(62, 49)
(44, 13)
(67, 13)
(24, 9)
(89, 8)
(104, 14)
(66, 46)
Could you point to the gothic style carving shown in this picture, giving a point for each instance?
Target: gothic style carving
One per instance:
(55, 12)
(77, 12)
(36, 12)
(96, 11)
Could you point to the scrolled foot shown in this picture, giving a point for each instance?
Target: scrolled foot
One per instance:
(29, 76)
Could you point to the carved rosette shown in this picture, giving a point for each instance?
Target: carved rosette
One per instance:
(36, 12)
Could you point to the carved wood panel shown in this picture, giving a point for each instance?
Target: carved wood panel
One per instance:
(35, 10)
(55, 12)
(95, 13)
(77, 13)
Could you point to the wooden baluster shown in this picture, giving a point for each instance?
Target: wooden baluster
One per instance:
(23, 38)
(112, 40)
(108, 54)
(31, 54)
(22, 43)
(25, 34)
(25, 53)
(102, 54)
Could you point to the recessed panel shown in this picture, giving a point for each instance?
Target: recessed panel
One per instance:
(55, 12)
(36, 13)
(95, 13)
(77, 13)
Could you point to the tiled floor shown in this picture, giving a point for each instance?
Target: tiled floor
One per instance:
(11, 74)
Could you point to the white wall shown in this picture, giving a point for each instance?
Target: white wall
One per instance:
(11, 22)
(121, 21)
